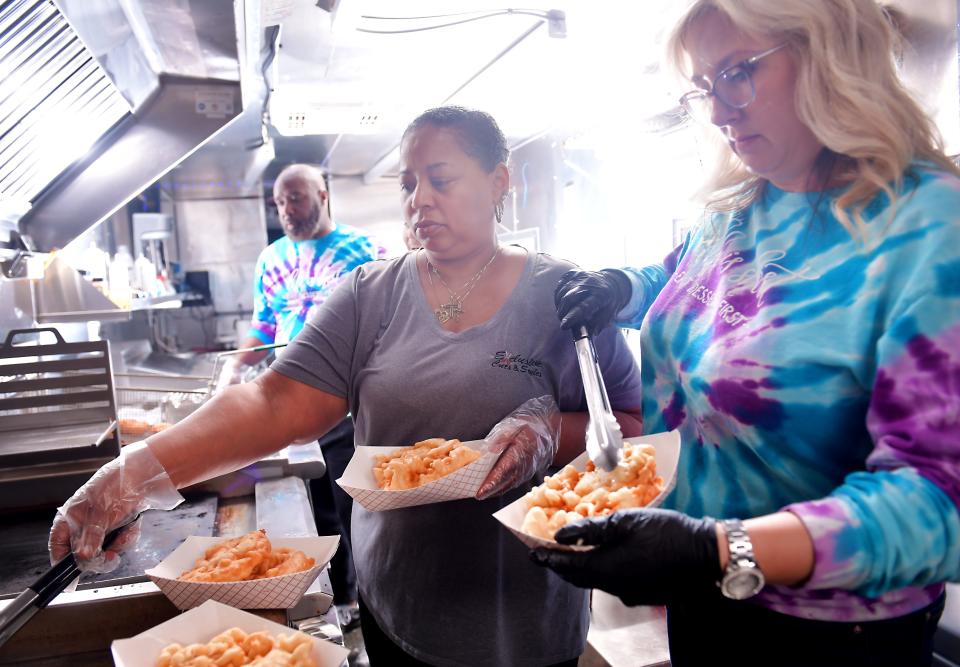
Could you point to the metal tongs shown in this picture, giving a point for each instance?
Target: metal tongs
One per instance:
(42, 591)
(221, 359)
(604, 439)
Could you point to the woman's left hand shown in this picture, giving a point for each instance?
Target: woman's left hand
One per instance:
(643, 556)
(527, 441)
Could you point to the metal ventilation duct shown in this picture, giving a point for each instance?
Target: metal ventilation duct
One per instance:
(175, 63)
(55, 100)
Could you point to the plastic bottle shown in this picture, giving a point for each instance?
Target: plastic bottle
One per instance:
(95, 262)
(146, 275)
(120, 269)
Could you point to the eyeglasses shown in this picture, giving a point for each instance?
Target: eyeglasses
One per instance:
(733, 86)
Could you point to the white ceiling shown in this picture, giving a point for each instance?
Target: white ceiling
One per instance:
(367, 87)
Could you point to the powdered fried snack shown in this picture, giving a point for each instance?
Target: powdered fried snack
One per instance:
(570, 495)
(235, 648)
(426, 461)
(245, 558)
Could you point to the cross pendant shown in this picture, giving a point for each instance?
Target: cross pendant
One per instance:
(449, 311)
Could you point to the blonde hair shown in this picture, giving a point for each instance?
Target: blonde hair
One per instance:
(848, 93)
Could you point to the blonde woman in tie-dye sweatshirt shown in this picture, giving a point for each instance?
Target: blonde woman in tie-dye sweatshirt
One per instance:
(805, 341)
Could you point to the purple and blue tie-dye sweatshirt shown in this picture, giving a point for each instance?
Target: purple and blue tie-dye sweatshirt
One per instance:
(293, 277)
(812, 372)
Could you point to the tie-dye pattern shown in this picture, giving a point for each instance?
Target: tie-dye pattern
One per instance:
(812, 372)
(293, 277)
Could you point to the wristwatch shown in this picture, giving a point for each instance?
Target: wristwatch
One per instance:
(742, 578)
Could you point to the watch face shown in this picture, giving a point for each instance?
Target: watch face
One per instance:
(742, 584)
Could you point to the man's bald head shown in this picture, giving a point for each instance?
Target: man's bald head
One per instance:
(307, 172)
(302, 202)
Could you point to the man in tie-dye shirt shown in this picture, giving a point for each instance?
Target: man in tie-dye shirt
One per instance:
(294, 275)
(804, 341)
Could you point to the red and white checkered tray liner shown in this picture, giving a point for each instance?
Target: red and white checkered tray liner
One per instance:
(202, 624)
(280, 592)
(359, 482)
(667, 455)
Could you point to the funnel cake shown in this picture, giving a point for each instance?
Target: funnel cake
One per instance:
(245, 558)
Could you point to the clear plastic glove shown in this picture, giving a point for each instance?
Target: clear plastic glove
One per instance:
(643, 556)
(123, 488)
(527, 440)
(591, 299)
(232, 372)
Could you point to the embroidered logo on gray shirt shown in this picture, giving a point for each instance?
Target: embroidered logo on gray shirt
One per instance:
(510, 361)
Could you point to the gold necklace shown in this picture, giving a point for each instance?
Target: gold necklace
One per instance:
(453, 309)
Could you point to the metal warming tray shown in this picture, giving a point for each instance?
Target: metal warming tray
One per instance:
(57, 418)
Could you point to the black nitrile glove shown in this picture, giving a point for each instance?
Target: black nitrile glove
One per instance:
(591, 299)
(643, 556)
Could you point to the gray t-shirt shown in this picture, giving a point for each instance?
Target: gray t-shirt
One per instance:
(446, 581)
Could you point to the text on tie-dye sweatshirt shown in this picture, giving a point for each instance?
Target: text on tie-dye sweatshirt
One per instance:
(292, 277)
(813, 372)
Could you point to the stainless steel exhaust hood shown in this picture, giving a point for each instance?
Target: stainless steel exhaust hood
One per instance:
(176, 64)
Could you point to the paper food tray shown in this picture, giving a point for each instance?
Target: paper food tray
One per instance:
(667, 455)
(202, 624)
(280, 592)
(358, 481)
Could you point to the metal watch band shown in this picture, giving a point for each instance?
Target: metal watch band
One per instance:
(738, 541)
(742, 578)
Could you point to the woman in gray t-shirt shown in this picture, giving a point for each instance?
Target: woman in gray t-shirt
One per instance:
(445, 341)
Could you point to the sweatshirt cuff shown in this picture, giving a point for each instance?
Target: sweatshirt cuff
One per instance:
(836, 543)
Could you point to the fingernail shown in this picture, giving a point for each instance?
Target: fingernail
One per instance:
(538, 557)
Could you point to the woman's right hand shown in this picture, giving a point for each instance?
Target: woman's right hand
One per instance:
(591, 299)
(119, 491)
(526, 440)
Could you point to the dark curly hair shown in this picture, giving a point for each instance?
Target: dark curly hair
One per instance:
(477, 133)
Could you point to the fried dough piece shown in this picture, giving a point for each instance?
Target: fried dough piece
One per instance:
(236, 648)
(226, 570)
(287, 561)
(570, 495)
(233, 560)
(456, 459)
(245, 558)
(255, 541)
(257, 644)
